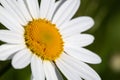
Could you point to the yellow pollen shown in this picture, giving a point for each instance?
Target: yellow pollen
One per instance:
(43, 39)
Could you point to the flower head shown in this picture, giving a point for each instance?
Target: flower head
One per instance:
(46, 36)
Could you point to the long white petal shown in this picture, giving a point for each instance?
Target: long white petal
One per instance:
(37, 68)
(9, 22)
(48, 8)
(50, 71)
(67, 71)
(33, 78)
(12, 11)
(81, 68)
(51, 9)
(11, 37)
(36, 73)
(83, 54)
(60, 77)
(7, 50)
(66, 12)
(77, 25)
(24, 10)
(55, 9)
(84, 23)
(44, 8)
(33, 8)
(80, 40)
(13, 4)
(21, 59)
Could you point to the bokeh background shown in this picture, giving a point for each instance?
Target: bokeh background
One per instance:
(106, 14)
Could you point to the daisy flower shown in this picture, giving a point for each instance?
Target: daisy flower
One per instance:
(46, 37)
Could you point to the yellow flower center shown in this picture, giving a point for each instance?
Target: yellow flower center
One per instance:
(43, 39)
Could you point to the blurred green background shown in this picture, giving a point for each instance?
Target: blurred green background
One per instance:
(106, 30)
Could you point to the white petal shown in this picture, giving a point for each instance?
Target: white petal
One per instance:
(11, 37)
(37, 68)
(21, 59)
(12, 11)
(66, 12)
(83, 54)
(54, 6)
(33, 78)
(50, 71)
(58, 74)
(58, 5)
(24, 10)
(15, 7)
(80, 40)
(50, 10)
(81, 68)
(67, 71)
(33, 8)
(9, 22)
(44, 8)
(7, 50)
(84, 23)
(77, 25)
(42, 73)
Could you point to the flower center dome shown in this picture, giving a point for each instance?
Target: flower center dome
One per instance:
(43, 39)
